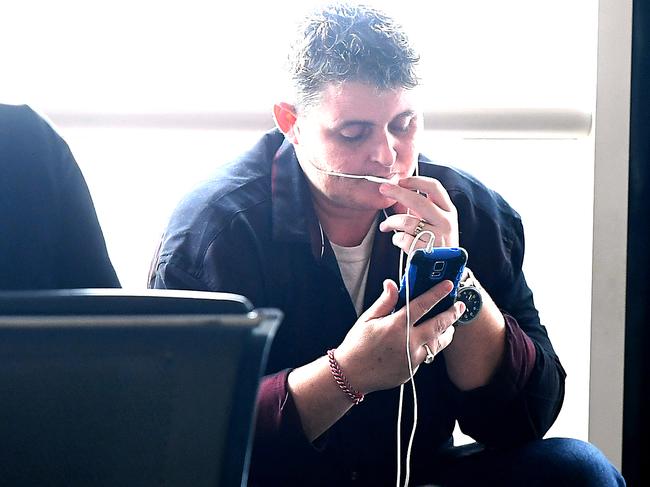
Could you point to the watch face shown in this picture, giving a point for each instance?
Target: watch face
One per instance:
(473, 301)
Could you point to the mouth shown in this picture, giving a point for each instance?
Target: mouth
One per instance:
(392, 179)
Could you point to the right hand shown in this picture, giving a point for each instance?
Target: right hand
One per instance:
(373, 353)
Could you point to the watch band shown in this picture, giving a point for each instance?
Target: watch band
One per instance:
(468, 279)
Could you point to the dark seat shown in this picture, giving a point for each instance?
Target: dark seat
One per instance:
(106, 387)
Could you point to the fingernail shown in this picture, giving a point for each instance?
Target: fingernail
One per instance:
(385, 188)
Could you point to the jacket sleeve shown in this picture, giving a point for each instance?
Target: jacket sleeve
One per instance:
(526, 393)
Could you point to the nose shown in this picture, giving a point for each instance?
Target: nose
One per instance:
(385, 149)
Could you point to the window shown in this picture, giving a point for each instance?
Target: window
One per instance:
(152, 95)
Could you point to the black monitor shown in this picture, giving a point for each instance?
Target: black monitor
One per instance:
(107, 387)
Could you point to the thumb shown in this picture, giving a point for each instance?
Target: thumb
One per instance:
(385, 303)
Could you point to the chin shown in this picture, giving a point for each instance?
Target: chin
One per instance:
(378, 204)
(364, 199)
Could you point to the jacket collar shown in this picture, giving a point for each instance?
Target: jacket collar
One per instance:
(294, 217)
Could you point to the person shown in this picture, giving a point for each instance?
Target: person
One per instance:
(49, 234)
(293, 224)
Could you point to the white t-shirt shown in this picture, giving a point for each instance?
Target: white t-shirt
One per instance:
(354, 263)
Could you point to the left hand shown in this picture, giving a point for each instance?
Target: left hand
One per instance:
(434, 207)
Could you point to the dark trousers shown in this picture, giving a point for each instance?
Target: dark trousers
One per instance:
(552, 462)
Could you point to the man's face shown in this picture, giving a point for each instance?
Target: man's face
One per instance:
(357, 129)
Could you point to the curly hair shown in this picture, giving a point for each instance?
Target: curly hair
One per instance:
(349, 42)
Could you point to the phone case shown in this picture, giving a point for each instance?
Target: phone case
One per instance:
(428, 269)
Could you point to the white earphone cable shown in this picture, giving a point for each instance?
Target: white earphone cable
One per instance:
(403, 270)
(380, 180)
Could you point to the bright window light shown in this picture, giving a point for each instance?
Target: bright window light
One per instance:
(186, 59)
(138, 56)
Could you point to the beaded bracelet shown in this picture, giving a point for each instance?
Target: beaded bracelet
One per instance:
(355, 396)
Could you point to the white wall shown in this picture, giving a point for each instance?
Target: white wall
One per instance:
(610, 227)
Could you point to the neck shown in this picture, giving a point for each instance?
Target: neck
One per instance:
(344, 226)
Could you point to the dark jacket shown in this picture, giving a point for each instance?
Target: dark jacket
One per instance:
(252, 230)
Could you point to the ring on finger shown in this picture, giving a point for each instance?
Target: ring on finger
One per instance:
(430, 355)
(419, 228)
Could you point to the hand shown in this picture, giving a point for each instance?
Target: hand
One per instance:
(434, 207)
(373, 354)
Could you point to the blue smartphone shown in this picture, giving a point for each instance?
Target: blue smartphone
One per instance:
(428, 269)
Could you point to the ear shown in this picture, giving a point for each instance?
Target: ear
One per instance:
(285, 119)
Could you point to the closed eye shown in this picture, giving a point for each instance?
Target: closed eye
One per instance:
(403, 125)
(354, 132)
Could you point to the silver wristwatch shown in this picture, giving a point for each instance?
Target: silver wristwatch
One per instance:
(469, 292)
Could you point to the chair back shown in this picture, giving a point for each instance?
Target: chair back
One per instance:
(107, 387)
